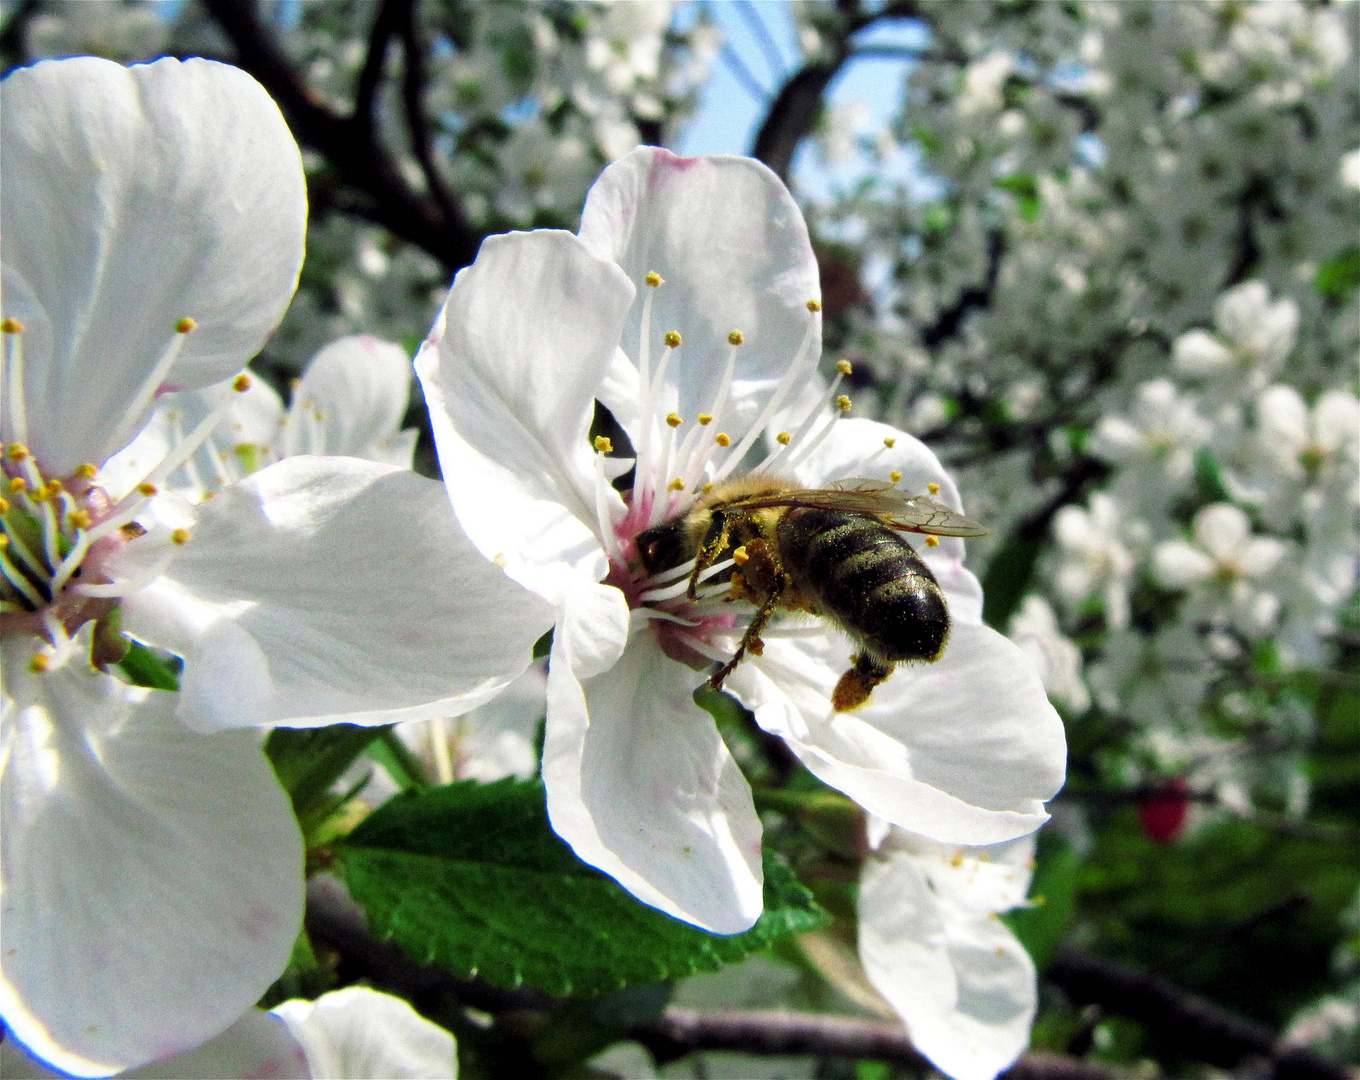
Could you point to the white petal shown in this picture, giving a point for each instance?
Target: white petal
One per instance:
(1178, 564)
(360, 388)
(1222, 530)
(963, 751)
(963, 985)
(135, 197)
(1336, 421)
(731, 245)
(326, 590)
(510, 373)
(1282, 416)
(1199, 353)
(641, 785)
(152, 877)
(1258, 556)
(856, 448)
(257, 1045)
(356, 1033)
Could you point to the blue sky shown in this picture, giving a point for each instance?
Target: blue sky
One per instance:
(731, 109)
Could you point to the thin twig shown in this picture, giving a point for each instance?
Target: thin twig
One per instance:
(413, 87)
(744, 76)
(774, 59)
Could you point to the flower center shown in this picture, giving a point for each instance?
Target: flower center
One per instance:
(679, 460)
(57, 534)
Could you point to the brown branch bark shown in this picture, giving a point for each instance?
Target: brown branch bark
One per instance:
(1179, 1021)
(350, 143)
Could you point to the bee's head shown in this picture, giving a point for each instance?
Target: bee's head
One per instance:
(663, 546)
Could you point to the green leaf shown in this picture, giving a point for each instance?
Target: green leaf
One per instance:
(1053, 893)
(471, 877)
(1007, 578)
(1025, 188)
(1339, 274)
(151, 667)
(308, 761)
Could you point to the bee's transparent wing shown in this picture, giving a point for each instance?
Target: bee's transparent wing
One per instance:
(897, 508)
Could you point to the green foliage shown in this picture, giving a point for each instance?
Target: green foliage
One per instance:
(1007, 578)
(1053, 892)
(471, 877)
(1339, 275)
(1025, 188)
(155, 668)
(308, 762)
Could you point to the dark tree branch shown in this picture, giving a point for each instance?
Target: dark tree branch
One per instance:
(348, 143)
(1179, 1021)
(375, 61)
(413, 87)
(335, 922)
(795, 109)
(12, 51)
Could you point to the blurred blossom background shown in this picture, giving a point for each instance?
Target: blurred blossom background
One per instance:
(1104, 258)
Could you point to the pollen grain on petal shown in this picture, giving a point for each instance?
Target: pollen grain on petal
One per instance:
(672, 339)
(933, 488)
(674, 419)
(180, 537)
(241, 383)
(186, 325)
(844, 367)
(499, 559)
(736, 337)
(603, 444)
(932, 541)
(654, 279)
(723, 439)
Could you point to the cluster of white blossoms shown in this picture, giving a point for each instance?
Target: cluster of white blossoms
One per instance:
(153, 228)
(158, 497)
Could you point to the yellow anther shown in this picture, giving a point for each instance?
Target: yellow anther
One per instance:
(814, 306)
(4, 507)
(11, 326)
(79, 519)
(843, 366)
(603, 445)
(186, 325)
(147, 489)
(842, 402)
(40, 663)
(705, 418)
(957, 860)
(499, 559)
(933, 488)
(86, 472)
(242, 383)
(723, 439)
(54, 486)
(16, 451)
(180, 537)
(784, 438)
(674, 419)
(4, 541)
(741, 556)
(706, 488)
(678, 484)
(654, 279)
(40, 494)
(18, 484)
(736, 337)
(932, 541)
(672, 339)
(895, 476)
(889, 442)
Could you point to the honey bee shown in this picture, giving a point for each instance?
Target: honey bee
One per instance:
(832, 552)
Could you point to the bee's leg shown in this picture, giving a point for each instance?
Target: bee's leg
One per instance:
(854, 687)
(750, 641)
(719, 534)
